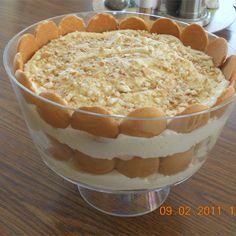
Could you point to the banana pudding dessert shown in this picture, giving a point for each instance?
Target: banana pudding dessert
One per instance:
(124, 104)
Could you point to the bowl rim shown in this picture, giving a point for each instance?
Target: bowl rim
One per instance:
(8, 69)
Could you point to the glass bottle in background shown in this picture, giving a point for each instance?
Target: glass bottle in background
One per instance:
(146, 6)
(116, 5)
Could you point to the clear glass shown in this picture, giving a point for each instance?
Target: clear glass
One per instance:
(124, 175)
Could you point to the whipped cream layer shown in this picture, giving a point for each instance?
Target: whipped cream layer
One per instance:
(125, 147)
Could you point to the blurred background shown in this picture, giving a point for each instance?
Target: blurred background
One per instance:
(215, 15)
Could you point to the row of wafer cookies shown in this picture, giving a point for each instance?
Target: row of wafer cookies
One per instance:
(135, 167)
(142, 122)
(192, 35)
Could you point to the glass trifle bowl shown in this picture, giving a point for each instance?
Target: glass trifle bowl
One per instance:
(123, 165)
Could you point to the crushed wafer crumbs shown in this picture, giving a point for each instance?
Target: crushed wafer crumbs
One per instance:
(125, 70)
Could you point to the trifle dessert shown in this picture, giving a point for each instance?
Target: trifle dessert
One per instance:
(124, 104)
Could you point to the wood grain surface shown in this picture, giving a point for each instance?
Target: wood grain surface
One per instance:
(35, 201)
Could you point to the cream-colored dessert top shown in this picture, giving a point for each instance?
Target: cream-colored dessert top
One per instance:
(125, 70)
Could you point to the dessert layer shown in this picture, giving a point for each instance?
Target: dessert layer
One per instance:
(125, 147)
(125, 70)
(117, 181)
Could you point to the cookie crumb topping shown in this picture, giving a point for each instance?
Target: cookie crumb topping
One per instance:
(125, 70)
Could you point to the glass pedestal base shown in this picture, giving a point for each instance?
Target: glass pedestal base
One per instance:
(125, 204)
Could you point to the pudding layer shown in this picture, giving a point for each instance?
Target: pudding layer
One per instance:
(125, 70)
(125, 147)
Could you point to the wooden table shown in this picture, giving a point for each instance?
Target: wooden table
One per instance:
(35, 201)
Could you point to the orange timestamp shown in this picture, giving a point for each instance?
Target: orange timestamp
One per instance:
(198, 211)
